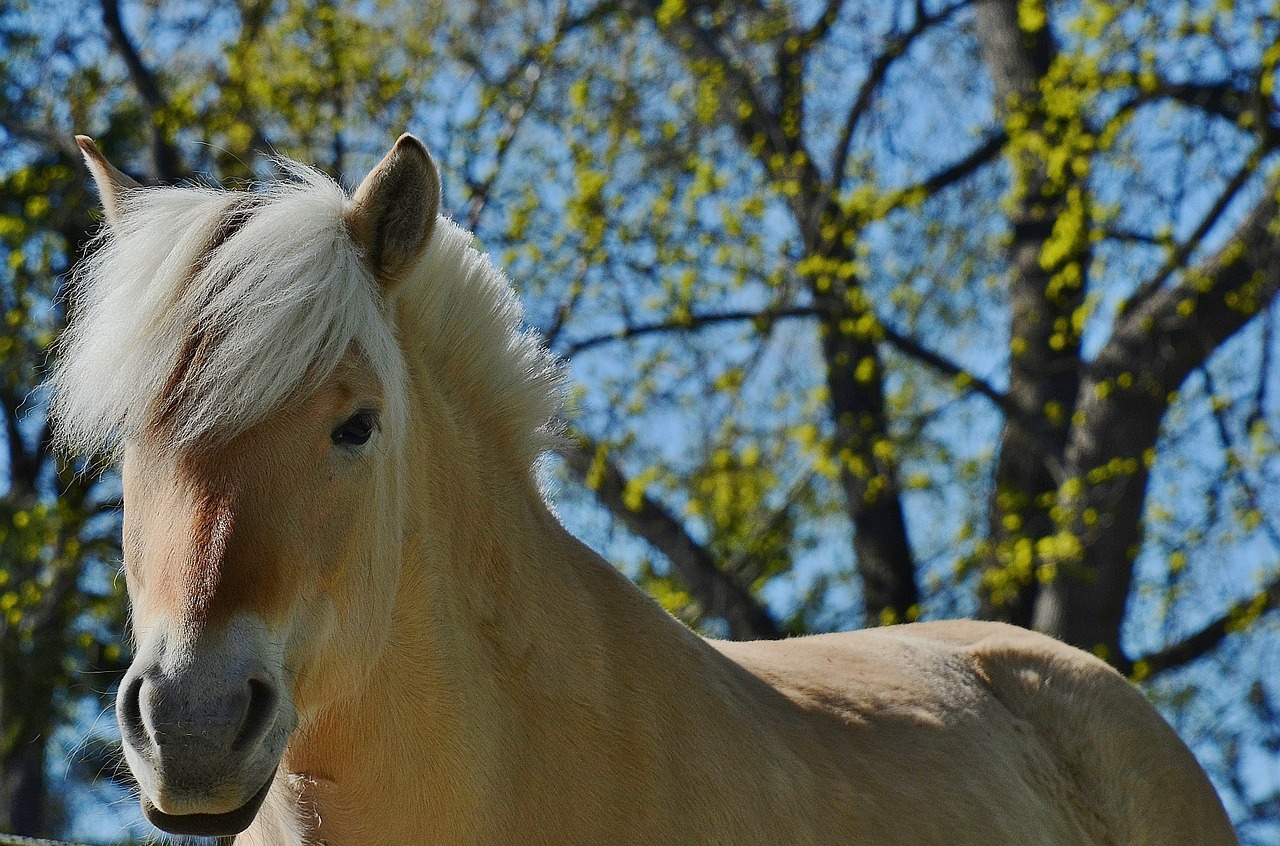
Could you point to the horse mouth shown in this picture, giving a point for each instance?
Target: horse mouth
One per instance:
(208, 825)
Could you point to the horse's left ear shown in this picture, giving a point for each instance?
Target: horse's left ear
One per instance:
(111, 182)
(393, 213)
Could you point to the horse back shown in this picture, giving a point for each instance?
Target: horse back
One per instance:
(966, 732)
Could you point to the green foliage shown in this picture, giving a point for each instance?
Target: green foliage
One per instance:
(806, 268)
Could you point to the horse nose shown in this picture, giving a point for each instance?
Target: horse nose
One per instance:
(185, 714)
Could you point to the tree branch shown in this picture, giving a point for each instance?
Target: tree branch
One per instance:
(1123, 398)
(1209, 636)
(719, 594)
(168, 163)
(875, 77)
(1184, 250)
(691, 323)
(532, 60)
(945, 366)
(22, 471)
(1222, 99)
(905, 345)
(822, 25)
(984, 153)
(1190, 320)
(1044, 362)
(857, 404)
(760, 118)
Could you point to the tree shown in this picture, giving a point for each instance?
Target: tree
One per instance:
(878, 311)
(58, 617)
(1101, 372)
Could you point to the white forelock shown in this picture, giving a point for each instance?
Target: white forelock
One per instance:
(268, 291)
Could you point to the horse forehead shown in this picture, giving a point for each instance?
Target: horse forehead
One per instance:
(258, 466)
(206, 480)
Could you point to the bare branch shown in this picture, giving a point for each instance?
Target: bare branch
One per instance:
(690, 323)
(1186, 322)
(1222, 99)
(822, 26)
(907, 346)
(1120, 233)
(945, 366)
(984, 153)
(167, 161)
(595, 14)
(481, 191)
(875, 78)
(42, 136)
(1241, 474)
(1209, 636)
(760, 118)
(1123, 398)
(719, 594)
(531, 67)
(22, 470)
(1183, 251)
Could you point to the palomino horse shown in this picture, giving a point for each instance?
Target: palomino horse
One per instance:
(358, 621)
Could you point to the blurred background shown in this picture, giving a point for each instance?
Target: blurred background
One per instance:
(876, 310)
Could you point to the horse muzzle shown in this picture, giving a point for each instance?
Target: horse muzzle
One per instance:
(204, 724)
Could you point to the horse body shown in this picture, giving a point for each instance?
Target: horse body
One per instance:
(616, 725)
(358, 585)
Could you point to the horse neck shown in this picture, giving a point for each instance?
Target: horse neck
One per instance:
(505, 626)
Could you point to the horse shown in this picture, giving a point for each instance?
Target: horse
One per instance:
(358, 620)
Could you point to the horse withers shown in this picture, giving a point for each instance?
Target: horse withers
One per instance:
(358, 621)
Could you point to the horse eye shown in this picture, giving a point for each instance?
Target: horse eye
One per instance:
(355, 430)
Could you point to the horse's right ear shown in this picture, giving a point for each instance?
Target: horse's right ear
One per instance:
(393, 212)
(112, 184)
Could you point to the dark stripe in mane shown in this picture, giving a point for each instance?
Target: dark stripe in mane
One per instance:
(202, 338)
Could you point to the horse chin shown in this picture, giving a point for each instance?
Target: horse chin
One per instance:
(208, 825)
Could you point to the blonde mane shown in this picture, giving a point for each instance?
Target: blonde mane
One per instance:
(203, 310)
(472, 336)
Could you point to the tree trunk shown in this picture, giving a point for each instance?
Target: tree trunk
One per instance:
(868, 476)
(770, 124)
(23, 788)
(1159, 339)
(1045, 297)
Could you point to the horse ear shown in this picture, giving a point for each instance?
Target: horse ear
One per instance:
(112, 184)
(393, 213)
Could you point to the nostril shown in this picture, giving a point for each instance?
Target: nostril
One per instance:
(258, 715)
(129, 709)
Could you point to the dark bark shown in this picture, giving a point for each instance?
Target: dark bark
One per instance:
(34, 648)
(1080, 517)
(1044, 345)
(767, 103)
(25, 792)
(164, 155)
(1207, 637)
(869, 480)
(29, 715)
(1154, 346)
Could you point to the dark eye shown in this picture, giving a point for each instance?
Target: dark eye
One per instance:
(355, 430)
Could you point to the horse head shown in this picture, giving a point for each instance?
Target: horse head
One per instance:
(236, 349)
